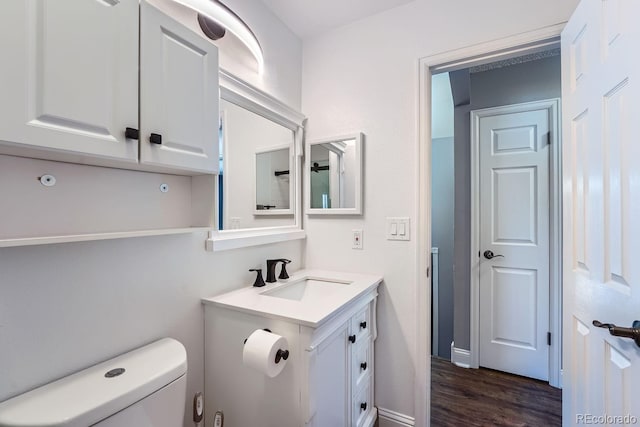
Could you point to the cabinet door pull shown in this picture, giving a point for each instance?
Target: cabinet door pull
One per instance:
(155, 138)
(363, 406)
(363, 366)
(352, 338)
(131, 133)
(363, 325)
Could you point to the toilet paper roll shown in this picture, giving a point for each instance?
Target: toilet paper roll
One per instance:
(260, 352)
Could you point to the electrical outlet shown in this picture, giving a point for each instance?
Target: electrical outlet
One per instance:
(218, 419)
(235, 222)
(357, 239)
(198, 408)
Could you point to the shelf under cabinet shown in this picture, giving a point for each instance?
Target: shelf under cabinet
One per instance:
(84, 203)
(48, 240)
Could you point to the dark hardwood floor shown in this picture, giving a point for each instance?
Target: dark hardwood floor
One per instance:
(483, 397)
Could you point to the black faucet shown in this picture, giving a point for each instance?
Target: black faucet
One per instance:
(259, 282)
(271, 269)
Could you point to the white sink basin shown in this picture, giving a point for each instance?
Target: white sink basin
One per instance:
(309, 297)
(307, 289)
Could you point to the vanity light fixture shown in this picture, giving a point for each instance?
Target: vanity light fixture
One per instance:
(215, 18)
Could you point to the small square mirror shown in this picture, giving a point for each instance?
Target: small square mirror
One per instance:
(333, 175)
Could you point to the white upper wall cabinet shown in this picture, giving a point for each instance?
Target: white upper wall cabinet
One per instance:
(70, 76)
(70, 85)
(178, 95)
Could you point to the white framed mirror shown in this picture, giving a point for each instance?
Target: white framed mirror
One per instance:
(258, 198)
(333, 175)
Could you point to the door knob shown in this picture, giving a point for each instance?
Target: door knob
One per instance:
(490, 255)
(619, 331)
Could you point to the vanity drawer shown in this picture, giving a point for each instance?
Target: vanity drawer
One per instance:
(361, 322)
(362, 363)
(362, 404)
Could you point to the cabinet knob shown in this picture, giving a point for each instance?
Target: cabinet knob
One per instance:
(363, 406)
(155, 138)
(352, 338)
(363, 366)
(131, 133)
(363, 325)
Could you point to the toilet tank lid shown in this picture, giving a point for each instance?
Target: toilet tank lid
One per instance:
(91, 395)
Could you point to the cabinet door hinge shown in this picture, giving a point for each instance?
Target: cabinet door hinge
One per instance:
(548, 338)
(428, 272)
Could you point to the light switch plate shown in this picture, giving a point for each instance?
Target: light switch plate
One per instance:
(398, 228)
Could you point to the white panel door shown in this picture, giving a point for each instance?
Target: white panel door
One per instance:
(69, 75)
(331, 380)
(601, 227)
(513, 145)
(178, 95)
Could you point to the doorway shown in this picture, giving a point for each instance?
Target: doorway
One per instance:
(462, 352)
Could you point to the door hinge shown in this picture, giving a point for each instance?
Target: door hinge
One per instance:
(548, 338)
(428, 270)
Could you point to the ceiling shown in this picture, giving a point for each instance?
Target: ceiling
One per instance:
(307, 18)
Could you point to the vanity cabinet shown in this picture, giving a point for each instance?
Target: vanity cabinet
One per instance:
(77, 74)
(328, 379)
(341, 367)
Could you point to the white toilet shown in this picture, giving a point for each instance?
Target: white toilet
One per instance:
(145, 387)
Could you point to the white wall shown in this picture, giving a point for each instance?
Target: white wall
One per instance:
(442, 107)
(65, 307)
(364, 77)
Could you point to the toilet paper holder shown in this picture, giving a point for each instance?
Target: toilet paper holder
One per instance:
(280, 354)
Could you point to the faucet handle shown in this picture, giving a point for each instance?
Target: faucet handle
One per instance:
(259, 282)
(283, 273)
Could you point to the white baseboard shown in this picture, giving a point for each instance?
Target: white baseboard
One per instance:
(460, 357)
(389, 418)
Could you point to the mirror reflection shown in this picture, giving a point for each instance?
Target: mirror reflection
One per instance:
(334, 175)
(332, 180)
(273, 188)
(252, 149)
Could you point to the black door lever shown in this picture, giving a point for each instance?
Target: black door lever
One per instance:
(490, 255)
(619, 331)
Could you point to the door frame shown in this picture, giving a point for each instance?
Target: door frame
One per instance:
(490, 51)
(555, 231)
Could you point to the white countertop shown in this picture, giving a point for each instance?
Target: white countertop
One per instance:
(309, 312)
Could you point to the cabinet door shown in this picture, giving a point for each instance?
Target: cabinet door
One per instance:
(69, 76)
(331, 388)
(178, 95)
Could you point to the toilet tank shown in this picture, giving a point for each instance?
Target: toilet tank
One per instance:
(145, 387)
